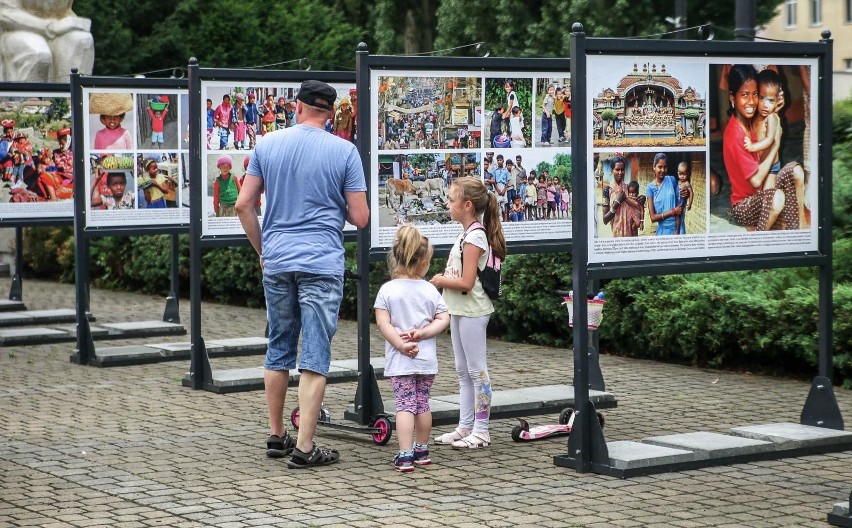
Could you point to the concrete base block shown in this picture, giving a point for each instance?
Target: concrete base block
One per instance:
(788, 435)
(144, 328)
(32, 335)
(707, 445)
(631, 455)
(6, 305)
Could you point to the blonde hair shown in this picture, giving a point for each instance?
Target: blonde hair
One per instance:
(485, 204)
(410, 250)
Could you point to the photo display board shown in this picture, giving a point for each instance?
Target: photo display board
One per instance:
(135, 146)
(229, 140)
(429, 127)
(36, 154)
(720, 153)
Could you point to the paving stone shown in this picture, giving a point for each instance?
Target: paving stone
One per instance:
(153, 446)
(708, 445)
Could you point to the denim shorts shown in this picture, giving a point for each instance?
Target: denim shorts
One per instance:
(301, 302)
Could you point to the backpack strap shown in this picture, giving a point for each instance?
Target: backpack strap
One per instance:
(472, 227)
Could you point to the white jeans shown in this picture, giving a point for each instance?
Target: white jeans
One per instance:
(468, 335)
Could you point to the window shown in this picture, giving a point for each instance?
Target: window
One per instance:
(848, 63)
(848, 11)
(790, 13)
(816, 12)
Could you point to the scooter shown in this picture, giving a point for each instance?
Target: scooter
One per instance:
(523, 432)
(380, 429)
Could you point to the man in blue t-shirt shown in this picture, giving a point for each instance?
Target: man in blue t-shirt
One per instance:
(314, 182)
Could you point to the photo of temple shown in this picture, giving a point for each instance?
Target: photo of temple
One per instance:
(650, 107)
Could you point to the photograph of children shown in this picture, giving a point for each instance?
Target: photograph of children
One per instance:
(158, 123)
(650, 103)
(158, 177)
(428, 112)
(529, 184)
(111, 182)
(552, 112)
(508, 112)
(225, 174)
(111, 119)
(413, 188)
(650, 193)
(760, 159)
(36, 156)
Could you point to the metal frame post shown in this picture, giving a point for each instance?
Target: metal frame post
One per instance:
(16, 292)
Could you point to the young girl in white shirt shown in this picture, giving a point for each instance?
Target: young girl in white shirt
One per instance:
(410, 313)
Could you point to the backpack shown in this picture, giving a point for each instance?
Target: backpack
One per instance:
(489, 276)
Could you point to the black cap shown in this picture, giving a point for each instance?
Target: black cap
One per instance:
(318, 94)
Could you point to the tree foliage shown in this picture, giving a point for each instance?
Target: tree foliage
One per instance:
(140, 37)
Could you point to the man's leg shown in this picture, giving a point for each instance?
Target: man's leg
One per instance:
(319, 303)
(311, 392)
(282, 312)
(275, 385)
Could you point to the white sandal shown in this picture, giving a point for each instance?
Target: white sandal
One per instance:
(449, 438)
(471, 441)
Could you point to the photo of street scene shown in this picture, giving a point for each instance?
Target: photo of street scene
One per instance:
(413, 188)
(429, 113)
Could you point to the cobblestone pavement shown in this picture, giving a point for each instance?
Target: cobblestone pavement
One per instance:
(129, 446)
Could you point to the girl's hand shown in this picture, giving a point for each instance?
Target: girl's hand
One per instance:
(409, 349)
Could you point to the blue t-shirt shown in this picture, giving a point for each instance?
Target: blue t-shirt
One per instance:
(501, 176)
(305, 172)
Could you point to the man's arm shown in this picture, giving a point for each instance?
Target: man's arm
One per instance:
(249, 194)
(357, 211)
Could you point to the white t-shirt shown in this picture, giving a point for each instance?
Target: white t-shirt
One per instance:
(474, 303)
(511, 100)
(410, 303)
(517, 127)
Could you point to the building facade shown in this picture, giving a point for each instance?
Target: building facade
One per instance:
(805, 20)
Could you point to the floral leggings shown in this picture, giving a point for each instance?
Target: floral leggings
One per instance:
(754, 210)
(412, 392)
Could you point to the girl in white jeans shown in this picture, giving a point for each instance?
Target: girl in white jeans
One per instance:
(469, 306)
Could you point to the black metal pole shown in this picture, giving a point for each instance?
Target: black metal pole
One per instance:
(580, 444)
(826, 314)
(680, 18)
(745, 14)
(199, 363)
(16, 290)
(366, 398)
(172, 312)
(85, 346)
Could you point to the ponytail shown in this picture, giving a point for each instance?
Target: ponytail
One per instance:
(494, 227)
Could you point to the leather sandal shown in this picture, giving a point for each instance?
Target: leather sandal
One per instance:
(279, 446)
(317, 457)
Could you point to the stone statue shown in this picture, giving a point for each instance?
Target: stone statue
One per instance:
(42, 40)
